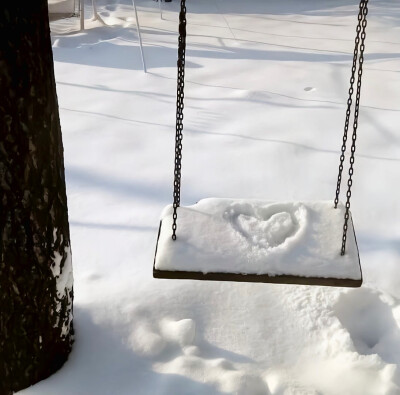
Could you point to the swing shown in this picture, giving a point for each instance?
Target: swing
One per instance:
(262, 241)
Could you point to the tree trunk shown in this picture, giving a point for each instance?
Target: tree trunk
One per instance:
(36, 294)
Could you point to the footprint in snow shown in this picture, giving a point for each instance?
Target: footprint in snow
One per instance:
(219, 373)
(159, 343)
(146, 342)
(373, 322)
(150, 341)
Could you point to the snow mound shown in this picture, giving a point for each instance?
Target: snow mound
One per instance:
(182, 331)
(146, 342)
(217, 372)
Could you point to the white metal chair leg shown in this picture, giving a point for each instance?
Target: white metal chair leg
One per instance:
(95, 15)
(139, 36)
(82, 13)
(160, 6)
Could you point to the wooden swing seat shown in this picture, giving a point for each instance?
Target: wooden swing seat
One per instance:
(258, 241)
(255, 241)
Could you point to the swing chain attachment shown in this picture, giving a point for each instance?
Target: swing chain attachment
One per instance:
(359, 49)
(179, 115)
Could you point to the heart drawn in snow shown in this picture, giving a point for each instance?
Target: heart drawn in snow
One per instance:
(268, 227)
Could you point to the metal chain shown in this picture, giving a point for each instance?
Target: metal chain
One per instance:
(364, 6)
(179, 115)
(349, 102)
(361, 26)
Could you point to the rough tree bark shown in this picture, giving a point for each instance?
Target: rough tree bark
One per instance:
(36, 332)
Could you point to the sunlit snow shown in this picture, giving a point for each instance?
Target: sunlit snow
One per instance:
(266, 87)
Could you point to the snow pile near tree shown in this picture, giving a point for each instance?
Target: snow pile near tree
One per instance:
(266, 88)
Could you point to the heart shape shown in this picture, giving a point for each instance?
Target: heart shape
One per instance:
(266, 228)
(267, 233)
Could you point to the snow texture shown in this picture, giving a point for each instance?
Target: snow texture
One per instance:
(265, 98)
(64, 281)
(258, 237)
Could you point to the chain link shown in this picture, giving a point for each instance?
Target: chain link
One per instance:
(364, 12)
(349, 103)
(179, 115)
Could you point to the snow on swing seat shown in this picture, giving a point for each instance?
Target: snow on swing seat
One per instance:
(258, 241)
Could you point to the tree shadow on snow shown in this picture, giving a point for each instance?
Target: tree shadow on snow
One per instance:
(101, 364)
(95, 225)
(149, 191)
(285, 7)
(95, 50)
(375, 243)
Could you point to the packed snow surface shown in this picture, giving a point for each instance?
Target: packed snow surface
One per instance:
(266, 86)
(258, 237)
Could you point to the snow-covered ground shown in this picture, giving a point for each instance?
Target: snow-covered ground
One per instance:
(266, 87)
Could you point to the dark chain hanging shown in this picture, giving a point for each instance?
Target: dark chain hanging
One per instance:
(349, 103)
(358, 50)
(179, 114)
(359, 46)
